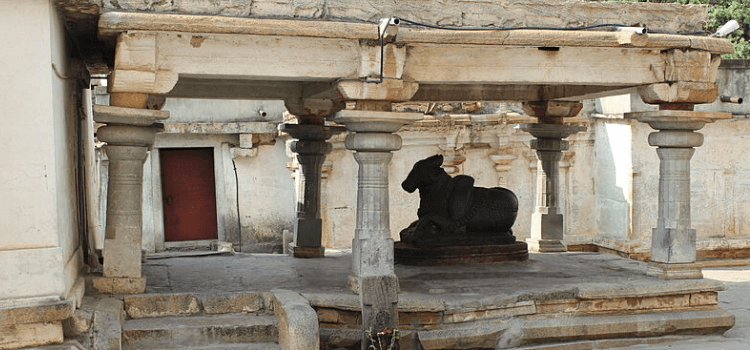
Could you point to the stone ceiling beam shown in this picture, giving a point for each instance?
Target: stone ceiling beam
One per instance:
(488, 92)
(153, 62)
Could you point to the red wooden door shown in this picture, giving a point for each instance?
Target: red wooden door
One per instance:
(188, 194)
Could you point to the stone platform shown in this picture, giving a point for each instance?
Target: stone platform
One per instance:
(555, 298)
(460, 255)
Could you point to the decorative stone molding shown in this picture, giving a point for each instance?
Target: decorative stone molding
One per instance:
(452, 160)
(503, 166)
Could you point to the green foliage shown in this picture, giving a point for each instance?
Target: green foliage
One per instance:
(720, 12)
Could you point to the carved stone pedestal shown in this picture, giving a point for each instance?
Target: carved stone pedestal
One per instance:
(673, 240)
(129, 134)
(311, 149)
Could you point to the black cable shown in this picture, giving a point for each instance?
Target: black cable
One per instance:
(434, 26)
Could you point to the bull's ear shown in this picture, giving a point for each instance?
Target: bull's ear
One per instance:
(437, 159)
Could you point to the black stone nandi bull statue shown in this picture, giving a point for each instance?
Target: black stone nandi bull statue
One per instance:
(453, 212)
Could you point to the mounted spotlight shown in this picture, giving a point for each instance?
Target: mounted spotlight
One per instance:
(637, 30)
(727, 29)
(388, 28)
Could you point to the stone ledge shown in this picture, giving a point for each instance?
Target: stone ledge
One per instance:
(117, 285)
(298, 322)
(30, 334)
(52, 312)
(540, 330)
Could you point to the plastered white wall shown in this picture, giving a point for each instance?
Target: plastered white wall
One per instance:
(39, 247)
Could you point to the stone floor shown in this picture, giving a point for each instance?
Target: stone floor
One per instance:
(543, 274)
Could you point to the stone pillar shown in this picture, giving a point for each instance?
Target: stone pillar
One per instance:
(129, 134)
(372, 140)
(310, 148)
(547, 224)
(673, 240)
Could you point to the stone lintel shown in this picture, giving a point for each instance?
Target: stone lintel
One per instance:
(674, 271)
(221, 128)
(119, 285)
(679, 92)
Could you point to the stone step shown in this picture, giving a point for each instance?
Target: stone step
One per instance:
(185, 304)
(197, 331)
(236, 346)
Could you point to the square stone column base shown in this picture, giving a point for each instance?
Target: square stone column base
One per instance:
(119, 285)
(674, 271)
(305, 252)
(546, 245)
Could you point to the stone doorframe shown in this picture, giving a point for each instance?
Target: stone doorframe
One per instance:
(226, 209)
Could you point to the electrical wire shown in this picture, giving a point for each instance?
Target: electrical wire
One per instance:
(434, 26)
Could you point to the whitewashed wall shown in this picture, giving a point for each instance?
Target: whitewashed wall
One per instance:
(39, 242)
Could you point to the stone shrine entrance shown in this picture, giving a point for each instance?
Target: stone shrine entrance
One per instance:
(188, 194)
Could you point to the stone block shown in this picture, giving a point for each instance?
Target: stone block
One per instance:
(328, 316)
(674, 271)
(79, 324)
(635, 304)
(521, 308)
(542, 330)
(306, 252)
(51, 312)
(117, 285)
(557, 306)
(477, 335)
(159, 305)
(704, 299)
(232, 303)
(30, 334)
(420, 319)
(106, 329)
(298, 322)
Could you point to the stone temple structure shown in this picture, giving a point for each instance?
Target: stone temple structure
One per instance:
(346, 65)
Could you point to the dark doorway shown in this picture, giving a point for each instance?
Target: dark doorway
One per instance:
(188, 194)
